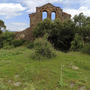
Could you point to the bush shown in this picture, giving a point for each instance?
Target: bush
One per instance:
(17, 43)
(0, 31)
(30, 45)
(6, 45)
(6, 39)
(1, 42)
(77, 43)
(8, 36)
(86, 49)
(43, 49)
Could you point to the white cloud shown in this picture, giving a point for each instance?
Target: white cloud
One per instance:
(86, 3)
(32, 4)
(17, 26)
(83, 6)
(9, 10)
(77, 3)
(82, 9)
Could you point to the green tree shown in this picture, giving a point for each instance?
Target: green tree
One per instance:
(2, 26)
(43, 28)
(79, 19)
(62, 34)
(67, 34)
(82, 24)
(77, 43)
(6, 38)
(55, 34)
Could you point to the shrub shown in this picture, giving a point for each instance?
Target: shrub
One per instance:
(30, 45)
(0, 32)
(43, 49)
(6, 39)
(77, 43)
(1, 42)
(86, 49)
(17, 43)
(6, 45)
(8, 36)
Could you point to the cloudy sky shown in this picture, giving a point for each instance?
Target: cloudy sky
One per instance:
(15, 12)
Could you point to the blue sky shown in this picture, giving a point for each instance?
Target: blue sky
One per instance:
(15, 12)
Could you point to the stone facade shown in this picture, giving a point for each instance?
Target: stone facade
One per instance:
(35, 18)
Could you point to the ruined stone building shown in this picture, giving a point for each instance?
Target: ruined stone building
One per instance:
(35, 18)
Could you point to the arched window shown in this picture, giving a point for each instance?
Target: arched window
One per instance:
(44, 15)
(53, 16)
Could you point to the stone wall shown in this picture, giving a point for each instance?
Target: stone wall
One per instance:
(35, 18)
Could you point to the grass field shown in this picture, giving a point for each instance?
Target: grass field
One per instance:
(19, 72)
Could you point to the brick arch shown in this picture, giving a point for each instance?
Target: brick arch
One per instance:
(52, 14)
(48, 8)
(43, 12)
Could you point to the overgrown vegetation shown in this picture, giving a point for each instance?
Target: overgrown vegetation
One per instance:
(17, 43)
(86, 49)
(77, 43)
(7, 40)
(30, 45)
(62, 34)
(59, 34)
(43, 48)
(2, 26)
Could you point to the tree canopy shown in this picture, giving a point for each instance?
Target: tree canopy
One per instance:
(2, 26)
(82, 24)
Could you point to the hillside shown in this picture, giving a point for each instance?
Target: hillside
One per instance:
(19, 72)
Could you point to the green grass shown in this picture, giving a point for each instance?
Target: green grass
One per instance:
(17, 66)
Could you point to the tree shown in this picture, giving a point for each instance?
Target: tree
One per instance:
(87, 30)
(77, 43)
(66, 35)
(54, 36)
(43, 28)
(6, 38)
(2, 26)
(82, 24)
(79, 20)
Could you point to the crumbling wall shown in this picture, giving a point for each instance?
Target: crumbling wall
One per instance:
(35, 18)
(66, 16)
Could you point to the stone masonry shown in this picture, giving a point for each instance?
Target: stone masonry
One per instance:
(35, 18)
